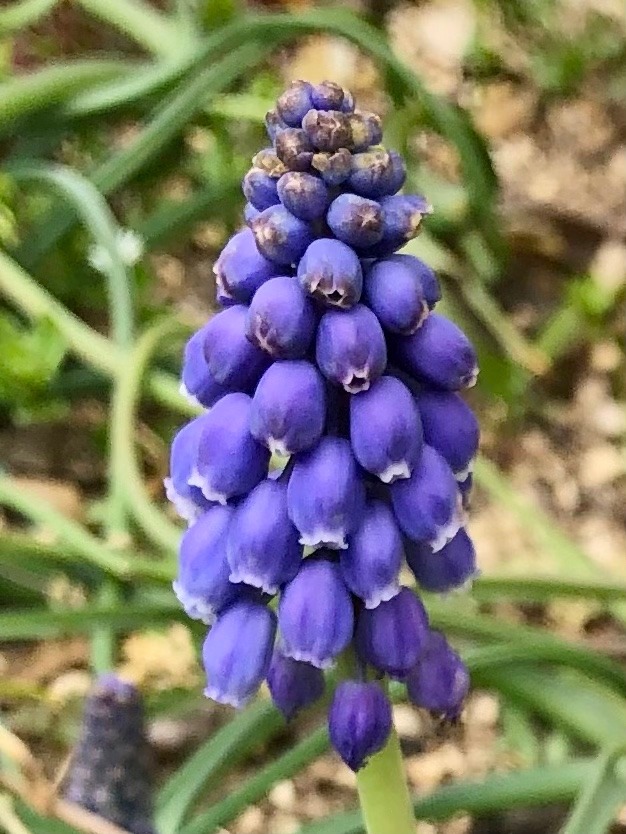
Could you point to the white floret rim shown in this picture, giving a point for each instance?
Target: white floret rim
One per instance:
(211, 494)
(383, 595)
(255, 580)
(399, 470)
(185, 507)
(194, 606)
(323, 537)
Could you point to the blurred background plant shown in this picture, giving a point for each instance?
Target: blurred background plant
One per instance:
(125, 128)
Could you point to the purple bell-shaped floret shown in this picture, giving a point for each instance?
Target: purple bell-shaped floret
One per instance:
(421, 271)
(427, 505)
(202, 585)
(438, 354)
(188, 500)
(371, 565)
(293, 684)
(233, 361)
(241, 269)
(385, 430)
(263, 549)
(390, 637)
(289, 407)
(356, 220)
(315, 614)
(450, 426)
(326, 495)
(304, 195)
(237, 652)
(279, 236)
(350, 348)
(197, 382)
(229, 462)
(396, 294)
(359, 721)
(439, 682)
(331, 272)
(281, 319)
(449, 568)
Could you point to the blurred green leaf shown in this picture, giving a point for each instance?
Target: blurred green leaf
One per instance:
(43, 623)
(225, 748)
(21, 13)
(51, 85)
(601, 797)
(570, 699)
(258, 785)
(30, 358)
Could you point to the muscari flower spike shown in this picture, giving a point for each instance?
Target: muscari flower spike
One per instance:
(329, 357)
(110, 772)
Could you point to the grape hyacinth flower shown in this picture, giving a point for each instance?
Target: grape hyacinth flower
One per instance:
(262, 546)
(359, 721)
(451, 567)
(281, 319)
(111, 773)
(327, 355)
(241, 268)
(289, 408)
(350, 348)
(331, 272)
(386, 430)
(439, 681)
(203, 587)
(294, 684)
(315, 614)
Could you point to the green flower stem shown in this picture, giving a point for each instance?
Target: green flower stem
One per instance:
(500, 792)
(98, 219)
(126, 395)
(92, 347)
(151, 29)
(384, 793)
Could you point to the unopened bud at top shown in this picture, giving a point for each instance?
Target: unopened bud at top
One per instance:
(295, 102)
(327, 130)
(281, 237)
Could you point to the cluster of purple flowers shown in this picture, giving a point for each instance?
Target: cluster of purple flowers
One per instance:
(328, 358)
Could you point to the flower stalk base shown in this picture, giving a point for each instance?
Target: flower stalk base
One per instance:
(384, 794)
